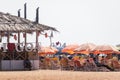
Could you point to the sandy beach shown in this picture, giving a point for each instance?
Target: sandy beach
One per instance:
(58, 75)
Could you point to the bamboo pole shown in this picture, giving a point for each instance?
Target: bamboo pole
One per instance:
(50, 41)
(8, 37)
(18, 37)
(8, 41)
(36, 41)
(26, 54)
(37, 45)
(25, 38)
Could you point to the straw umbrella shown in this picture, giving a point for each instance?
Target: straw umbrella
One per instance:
(13, 24)
(10, 24)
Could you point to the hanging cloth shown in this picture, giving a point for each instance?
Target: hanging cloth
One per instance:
(46, 35)
(57, 43)
(11, 46)
(15, 37)
(24, 35)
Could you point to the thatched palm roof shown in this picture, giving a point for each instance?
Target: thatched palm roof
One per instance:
(14, 24)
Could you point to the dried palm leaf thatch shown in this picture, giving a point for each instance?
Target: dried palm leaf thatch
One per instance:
(14, 24)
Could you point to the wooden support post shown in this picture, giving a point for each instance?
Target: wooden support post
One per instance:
(8, 37)
(18, 37)
(50, 41)
(25, 38)
(37, 42)
(37, 45)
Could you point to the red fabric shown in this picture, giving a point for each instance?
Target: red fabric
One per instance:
(57, 43)
(46, 35)
(11, 46)
(24, 35)
(15, 37)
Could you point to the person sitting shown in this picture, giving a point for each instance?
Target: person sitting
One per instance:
(103, 63)
(77, 65)
(47, 62)
(115, 63)
(64, 63)
(27, 64)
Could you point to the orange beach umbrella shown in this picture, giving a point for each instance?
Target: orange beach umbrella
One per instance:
(85, 48)
(70, 48)
(107, 49)
(47, 50)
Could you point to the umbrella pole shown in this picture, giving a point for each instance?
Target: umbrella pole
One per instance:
(50, 41)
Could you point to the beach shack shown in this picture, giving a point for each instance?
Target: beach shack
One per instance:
(12, 54)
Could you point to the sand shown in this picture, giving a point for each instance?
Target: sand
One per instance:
(58, 75)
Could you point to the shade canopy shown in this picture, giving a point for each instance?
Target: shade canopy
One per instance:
(48, 50)
(85, 48)
(105, 49)
(70, 48)
(14, 24)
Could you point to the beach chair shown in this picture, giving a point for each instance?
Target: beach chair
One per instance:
(64, 64)
(116, 65)
(41, 64)
(90, 65)
(71, 64)
(55, 64)
(77, 65)
(47, 63)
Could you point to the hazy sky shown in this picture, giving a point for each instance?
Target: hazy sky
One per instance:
(79, 21)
